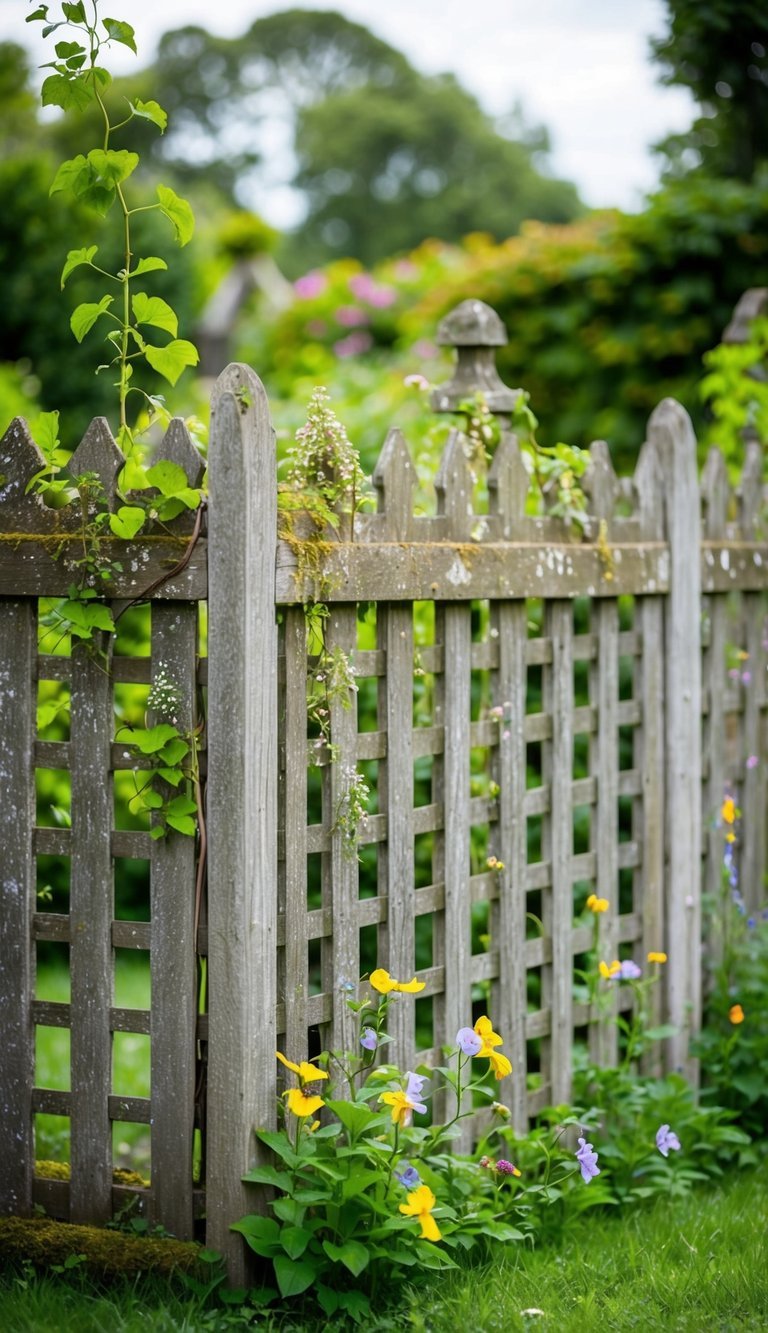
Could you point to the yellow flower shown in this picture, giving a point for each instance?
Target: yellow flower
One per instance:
(736, 1013)
(484, 1030)
(420, 1203)
(728, 810)
(730, 837)
(307, 1073)
(654, 957)
(401, 1107)
(608, 970)
(301, 1102)
(499, 1063)
(384, 983)
(596, 904)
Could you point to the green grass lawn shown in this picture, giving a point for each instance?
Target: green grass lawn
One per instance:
(681, 1266)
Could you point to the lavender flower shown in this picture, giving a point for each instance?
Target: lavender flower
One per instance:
(468, 1041)
(587, 1159)
(413, 1090)
(666, 1139)
(368, 1039)
(506, 1168)
(629, 971)
(409, 1176)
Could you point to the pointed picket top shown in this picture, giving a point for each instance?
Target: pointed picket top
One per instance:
(97, 452)
(20, 460)
(600, 481)
(177, 447)
(394, 479)
(751, 491)
(648, 486)
(508, 484)
(454, 485)
(715, 494)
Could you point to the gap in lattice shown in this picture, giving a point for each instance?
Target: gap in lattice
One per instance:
(131, 1147)
(314, 966)
(368, 857)
(534, 836)
(130, 709)
(424, 1019)
(52, 1138)
(534, 613)
(582, 888)
(132, 899)
(133, 632)
(132, 980)
(533, 768)
(581, 671)
(127, 796)
(480, 927)
(52, 1057)
(422, 780)
(581, 755)
(50, 639)
(314, 795)
(52, 884)
(480, 771)
(368, 949)
(367, 707)
(314, 880)
(480, 694)
(626, 747)
(424, 941)
(582, 825)
(366, 626)
(369, 769)
(131, 1064)
(422, 859)
(53, 710)
(53, 789)
(52, 979)
(533, 692)
(626, 895)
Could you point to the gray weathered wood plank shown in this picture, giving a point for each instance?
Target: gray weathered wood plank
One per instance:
(90, 945)
(605, 690)
(557, 905)
(172, 959)
(242, 801)
(394, 627)
(18, 725)
(341, 960)
(296, 977)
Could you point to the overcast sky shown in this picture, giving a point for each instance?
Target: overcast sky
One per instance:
(580, 67)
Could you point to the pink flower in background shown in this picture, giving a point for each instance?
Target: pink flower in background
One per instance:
(416, 382)
(425, 349)
(365, 288)
(354, 345)
(351, 315)
(404, 268)
(317, 328)
(311, 285)
(752, 761)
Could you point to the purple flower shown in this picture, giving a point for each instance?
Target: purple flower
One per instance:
(587, 1159)
(413, 1090)
(506, 1168)
(468, 1041)
(666, 1139)
(629, 971)
(752, 761)
(312, 284)
(350, 316)
(368, 1039)
(409, 1177)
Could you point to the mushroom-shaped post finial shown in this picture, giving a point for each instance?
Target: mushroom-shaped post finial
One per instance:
(475, 330)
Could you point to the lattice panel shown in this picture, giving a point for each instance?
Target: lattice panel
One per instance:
(500, 729)
(89, 703)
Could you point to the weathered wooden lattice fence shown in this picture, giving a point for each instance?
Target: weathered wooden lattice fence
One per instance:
(527, 694)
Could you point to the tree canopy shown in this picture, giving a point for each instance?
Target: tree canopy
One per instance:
(719, 50)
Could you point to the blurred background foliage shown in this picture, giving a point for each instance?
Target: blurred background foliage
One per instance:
(410, 198)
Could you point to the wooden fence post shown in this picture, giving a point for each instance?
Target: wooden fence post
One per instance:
(671, 435)
(242, 800)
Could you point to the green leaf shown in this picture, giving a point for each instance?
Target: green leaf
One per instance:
(172, 776)
(40, 15)
(261, 1233)
(279, 1144)
(354, 1118)
(120, 32)
(75, 258)
(327, 1300)
(157, 832)
(152, 739)
(148, 265)
(84, 618)
(660, 1033)
(67, 174)
(182, 824)
(153, 310)
(45, 433)
(112, 165)
(75, 13)
(150, 111)
(268, 1175)
(292, 1277)
(294, 1241)
(127, 521)
(182, 805)
(352, 1254)
(174, 751)
(152, 799)
(84, 317)
(356, 1304)
(178, 212)
(171, 361)
(73, 94)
